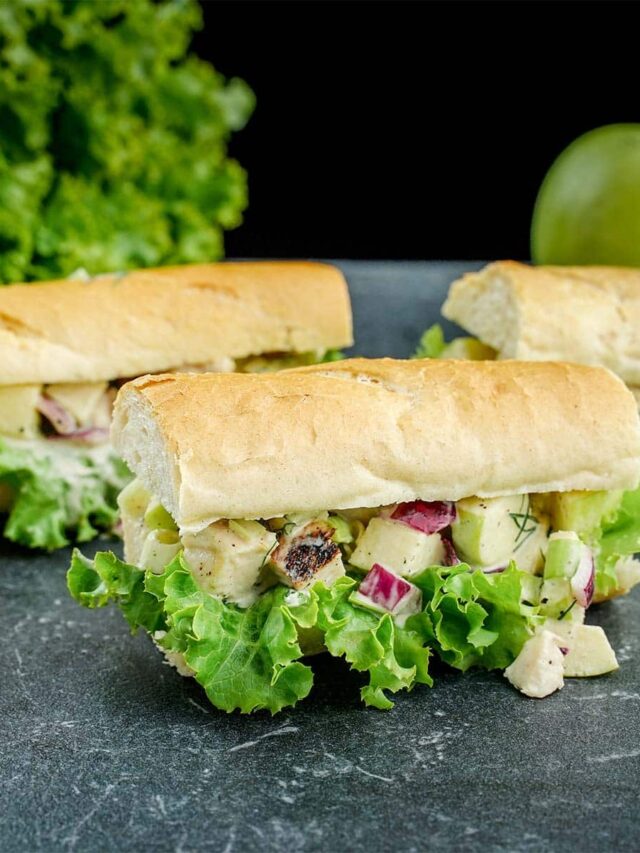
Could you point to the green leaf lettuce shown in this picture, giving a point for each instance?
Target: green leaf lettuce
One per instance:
(618, 537)
(52, 501)
(431, 344)
(250, 659)
(114, 146)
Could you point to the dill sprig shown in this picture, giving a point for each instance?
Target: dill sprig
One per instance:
(568, 610)
(521, 520)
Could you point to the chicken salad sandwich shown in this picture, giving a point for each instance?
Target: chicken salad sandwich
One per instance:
(68, 345)
(586, 315)
(383, 511)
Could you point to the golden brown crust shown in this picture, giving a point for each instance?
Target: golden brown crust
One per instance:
(588, 315)
(153, 320)
(366, 433)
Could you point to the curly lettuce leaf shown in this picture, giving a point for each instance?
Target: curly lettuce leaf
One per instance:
(105, 116)
(245, 660)
(395, 658)
(250, 659)
(94, 583)
(619, 537)
(431, 344)
(471, 618)
(51, 505)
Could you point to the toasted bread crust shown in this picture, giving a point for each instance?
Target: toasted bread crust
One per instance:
(365, 433)
(153, 320)
(587, 315)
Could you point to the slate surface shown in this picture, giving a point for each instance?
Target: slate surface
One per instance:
(102, 747)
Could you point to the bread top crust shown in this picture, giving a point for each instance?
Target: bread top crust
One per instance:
(147, 321)
(366, 433)
(588, 315)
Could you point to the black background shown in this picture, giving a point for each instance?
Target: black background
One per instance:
(413, 130)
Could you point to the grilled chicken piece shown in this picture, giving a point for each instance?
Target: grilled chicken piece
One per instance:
(306, 555)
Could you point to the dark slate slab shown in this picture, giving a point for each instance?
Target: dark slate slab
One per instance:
(103, 747)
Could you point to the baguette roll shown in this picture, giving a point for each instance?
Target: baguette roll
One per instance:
(155, 320)
(587, 315)
(363, 433)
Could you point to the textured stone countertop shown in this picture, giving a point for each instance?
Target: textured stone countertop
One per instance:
(103, 747)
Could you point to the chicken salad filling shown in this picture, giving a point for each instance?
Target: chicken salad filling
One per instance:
(494, 583)
(59, 479)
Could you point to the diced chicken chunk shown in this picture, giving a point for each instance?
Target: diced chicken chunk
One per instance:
(538, 670)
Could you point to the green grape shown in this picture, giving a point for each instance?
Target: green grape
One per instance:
(588, 208)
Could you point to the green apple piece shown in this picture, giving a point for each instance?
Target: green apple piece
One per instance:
(133, 500)
(160, 547)
(538, 670)
(342, 530)
(397, 547)
(157, 518)
(564, 552)
(488, 531)
(590, 652)
(574, 616)
(582, 512)
(588, 208)
(228, 563)
(19, 417)
(529, 554)
(530, 588)
(556, 598)
(469, 349)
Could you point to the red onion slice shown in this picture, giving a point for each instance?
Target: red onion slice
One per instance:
(384, 588)
(450, 556)
(429, 517)
(88, 435)
(60, 419)
(492, 570)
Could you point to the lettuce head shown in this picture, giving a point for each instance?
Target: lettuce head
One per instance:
(114, 146)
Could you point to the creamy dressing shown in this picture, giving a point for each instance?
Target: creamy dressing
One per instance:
(65, 457)
(76, 465)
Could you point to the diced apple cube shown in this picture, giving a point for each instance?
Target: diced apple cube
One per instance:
(400, 548)
(589, 651)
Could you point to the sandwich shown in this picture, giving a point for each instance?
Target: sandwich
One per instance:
(68, 345)
(586, 315)
(382, 511)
